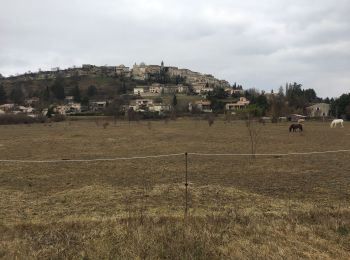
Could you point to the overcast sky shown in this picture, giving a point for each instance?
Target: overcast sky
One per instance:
(261, 44)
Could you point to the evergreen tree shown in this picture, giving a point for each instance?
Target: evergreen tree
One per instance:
(251, 94)
(76, 94)
(123, 88)
(46, 94)
(281, 91)
(218, 93)
(277, 105)
(3, 96)
(310, 95)
(340, 105)
(261, 102)
(92, 91)
(50, 112)
(295, 96)
(215, 97)
(178, 80)
(17, 95)
(58, 88)
(174, 102)
(85, 101)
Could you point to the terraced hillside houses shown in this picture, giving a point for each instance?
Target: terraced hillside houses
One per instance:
(139, 72)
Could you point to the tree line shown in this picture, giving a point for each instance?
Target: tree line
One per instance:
(56, 91)
(289, 99)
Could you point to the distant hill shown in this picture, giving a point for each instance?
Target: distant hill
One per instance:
(109, 80)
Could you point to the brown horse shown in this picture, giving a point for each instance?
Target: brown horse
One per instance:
(295, 127)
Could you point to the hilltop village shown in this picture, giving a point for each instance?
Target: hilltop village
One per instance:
(150, 91)
(112, 89)
(139, 72)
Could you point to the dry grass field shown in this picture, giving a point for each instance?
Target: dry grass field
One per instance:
(272, 207)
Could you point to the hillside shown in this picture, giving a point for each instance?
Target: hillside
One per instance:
(106, 86)
(109, 80)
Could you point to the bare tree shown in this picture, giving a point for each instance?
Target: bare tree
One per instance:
(105, 124)
(254, 127)
(254, 130)
(228, 117)
(211, 119)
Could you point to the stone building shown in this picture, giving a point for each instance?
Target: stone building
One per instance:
(318, 110)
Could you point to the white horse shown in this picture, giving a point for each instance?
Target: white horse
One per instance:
(335, 122)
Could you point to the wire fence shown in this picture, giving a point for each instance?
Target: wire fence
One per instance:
(172, 155)
(214, 179)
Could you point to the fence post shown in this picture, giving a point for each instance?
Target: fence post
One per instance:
(186, 184)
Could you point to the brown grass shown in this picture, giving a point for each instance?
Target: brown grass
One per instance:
(268, 207)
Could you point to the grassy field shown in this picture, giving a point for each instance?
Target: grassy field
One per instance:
(272, 207)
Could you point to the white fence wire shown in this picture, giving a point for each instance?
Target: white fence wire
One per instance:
(169, 155)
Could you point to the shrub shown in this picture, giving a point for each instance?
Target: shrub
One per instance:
(58, 118)
(10, 119)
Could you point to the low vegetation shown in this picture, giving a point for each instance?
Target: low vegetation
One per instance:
(13, 119)
(9, 119)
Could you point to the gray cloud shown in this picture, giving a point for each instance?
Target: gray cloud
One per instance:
(260, 44)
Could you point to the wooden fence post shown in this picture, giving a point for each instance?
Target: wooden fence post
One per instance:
(186, 184)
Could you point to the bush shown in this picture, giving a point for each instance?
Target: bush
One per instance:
(152, 115)
(10, 119)
(58, 118)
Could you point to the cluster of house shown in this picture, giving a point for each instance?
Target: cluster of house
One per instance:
(205, 105)
(16, 109)
(201, 84)
(71, 107)
(144, 105)
(27, 108)
(137, 72)
(157, 89)
(138, 105)
(84, 70)
(143, 72)
(68, 107)
(316, 110)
